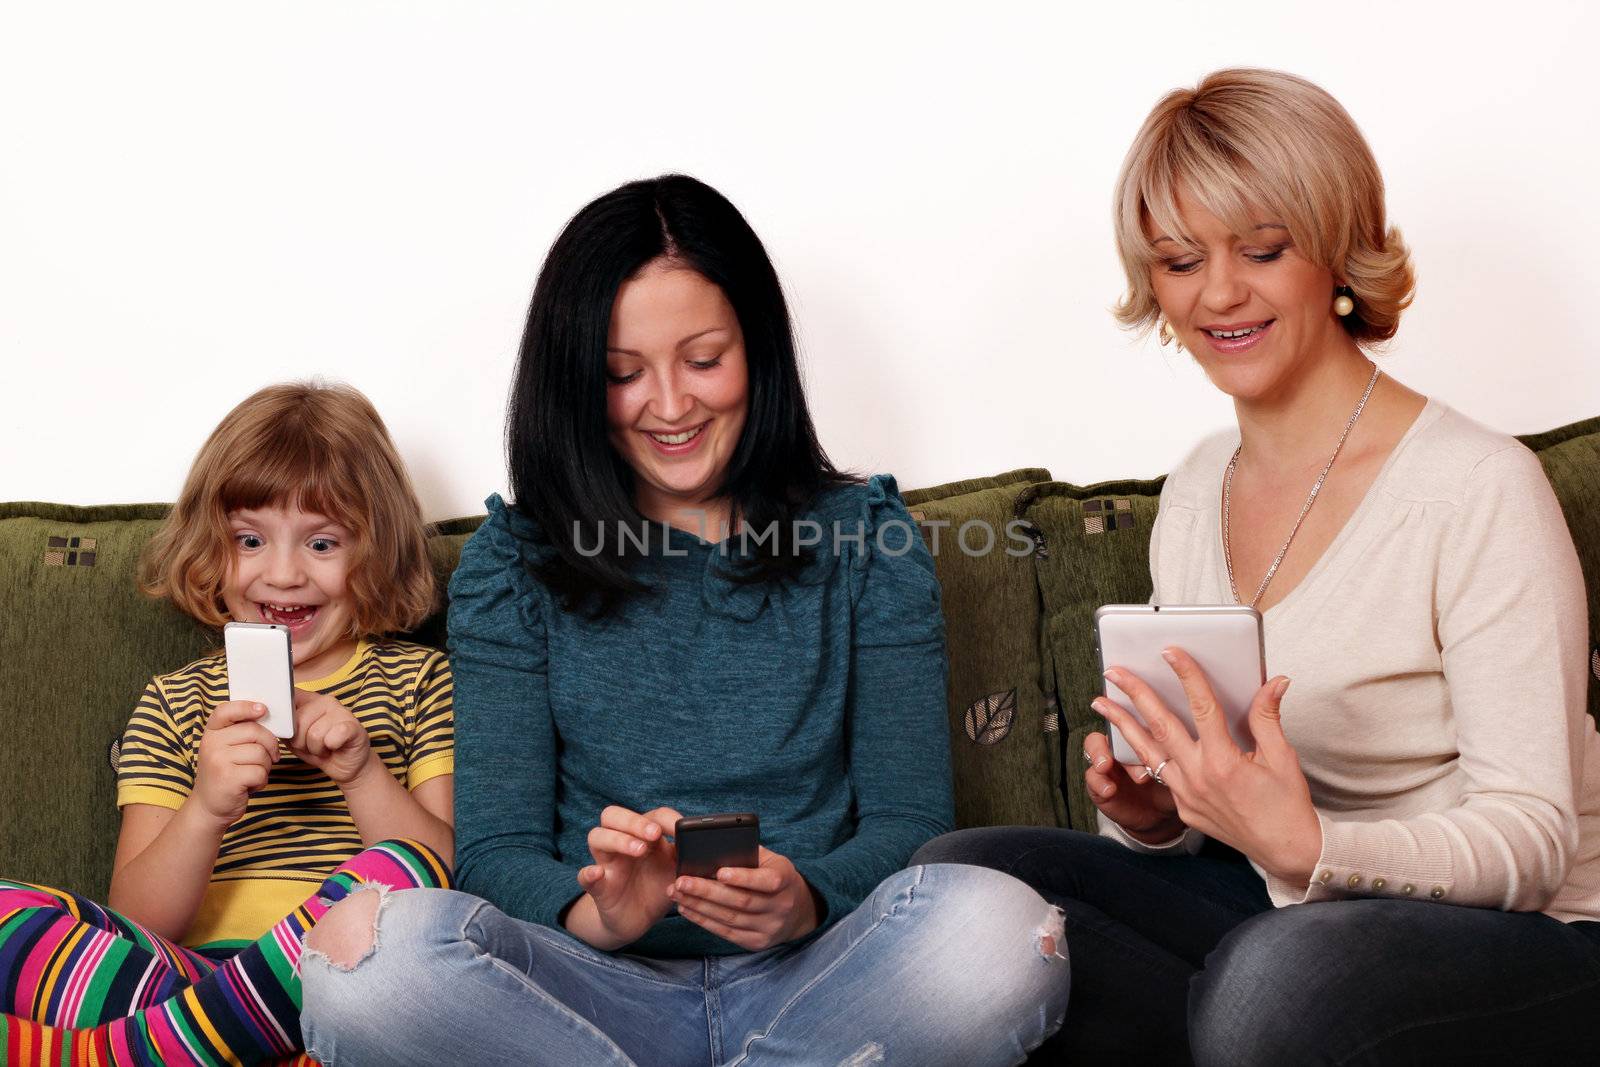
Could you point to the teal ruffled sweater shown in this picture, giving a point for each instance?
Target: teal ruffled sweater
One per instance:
(818, 703)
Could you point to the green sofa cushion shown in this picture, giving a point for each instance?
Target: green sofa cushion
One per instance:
(77, 646)
(1004, 753)
(1571, 458)
(1096, 551)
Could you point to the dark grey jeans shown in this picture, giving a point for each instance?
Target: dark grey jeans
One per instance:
(1180, 958)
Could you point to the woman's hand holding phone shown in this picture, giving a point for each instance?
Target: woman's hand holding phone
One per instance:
(625, 888)
(236, 754)
(754, 907)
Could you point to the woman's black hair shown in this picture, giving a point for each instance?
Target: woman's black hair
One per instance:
(565, 474)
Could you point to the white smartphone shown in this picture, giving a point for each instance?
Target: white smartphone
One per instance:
(261, 670)
(1225, 639)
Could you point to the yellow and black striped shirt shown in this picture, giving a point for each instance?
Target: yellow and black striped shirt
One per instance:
(298, 828)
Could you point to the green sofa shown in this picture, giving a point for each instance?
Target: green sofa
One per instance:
(78, 643)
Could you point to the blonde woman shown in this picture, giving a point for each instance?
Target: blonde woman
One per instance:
(1421, 818)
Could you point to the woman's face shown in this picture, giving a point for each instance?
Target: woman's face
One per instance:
(1254, 312)
(677, 385)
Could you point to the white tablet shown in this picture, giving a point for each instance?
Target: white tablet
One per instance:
(1225, 639)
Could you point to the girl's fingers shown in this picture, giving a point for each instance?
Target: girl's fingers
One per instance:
(245, 733)
(250, 754)
(251, 777)
(230, 712)
(338, 736)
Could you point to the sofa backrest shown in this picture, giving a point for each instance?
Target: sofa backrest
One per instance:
(78, 643)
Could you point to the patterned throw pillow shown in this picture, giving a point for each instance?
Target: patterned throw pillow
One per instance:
(1096, 551)
(1005, 751)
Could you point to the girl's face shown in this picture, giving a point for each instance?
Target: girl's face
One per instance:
(677, 386)
(1253, 310)
(290, 567)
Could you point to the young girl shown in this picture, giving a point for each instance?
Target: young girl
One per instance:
(297, 512)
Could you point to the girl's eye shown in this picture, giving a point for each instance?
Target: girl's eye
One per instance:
(622, 379)
(249, 541)
(323, 545)
(705, 364)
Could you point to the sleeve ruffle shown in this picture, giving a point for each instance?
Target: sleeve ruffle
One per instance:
(497, 606)
(893, 584)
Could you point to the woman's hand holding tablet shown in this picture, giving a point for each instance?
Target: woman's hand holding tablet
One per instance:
(1256, 800)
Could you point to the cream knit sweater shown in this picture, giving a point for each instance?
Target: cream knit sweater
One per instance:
(1437, 651)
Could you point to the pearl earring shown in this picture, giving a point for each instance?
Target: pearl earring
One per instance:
(1169, 335)
(1342, 304)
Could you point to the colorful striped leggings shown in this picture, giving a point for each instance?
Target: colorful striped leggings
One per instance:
(80, 984)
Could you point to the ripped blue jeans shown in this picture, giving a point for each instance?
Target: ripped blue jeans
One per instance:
(942, 964)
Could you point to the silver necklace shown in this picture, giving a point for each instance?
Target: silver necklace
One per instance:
(1227, 488)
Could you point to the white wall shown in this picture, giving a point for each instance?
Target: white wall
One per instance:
(200, 198)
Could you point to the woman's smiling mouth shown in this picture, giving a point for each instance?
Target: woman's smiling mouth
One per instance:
(1236, 337)
(677, 443)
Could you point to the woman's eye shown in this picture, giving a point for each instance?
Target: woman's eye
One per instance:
(249, 541)
(622, 379)
(1183, 266)
(705, 364)
(1266, 257)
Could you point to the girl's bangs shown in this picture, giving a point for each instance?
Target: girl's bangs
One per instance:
(285, 474)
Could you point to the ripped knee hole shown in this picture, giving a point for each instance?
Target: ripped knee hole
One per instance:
(348, 933)
(1051, 935)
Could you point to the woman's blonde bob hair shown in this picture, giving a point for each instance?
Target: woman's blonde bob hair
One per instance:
(1246, 143)
(321, 448)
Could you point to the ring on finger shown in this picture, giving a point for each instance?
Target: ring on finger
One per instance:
(1155, 772)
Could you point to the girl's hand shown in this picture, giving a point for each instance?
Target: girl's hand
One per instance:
(1128, 796)
(236, 754)
(329, 737)
(1258, 802)
(754, 907)
(625, 888)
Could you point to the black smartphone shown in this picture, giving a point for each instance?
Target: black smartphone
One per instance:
(709, 842)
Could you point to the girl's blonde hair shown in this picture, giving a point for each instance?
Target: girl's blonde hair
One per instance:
(321, 448)
(1246, 141)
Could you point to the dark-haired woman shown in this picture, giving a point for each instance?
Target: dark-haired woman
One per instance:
(688, 610)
